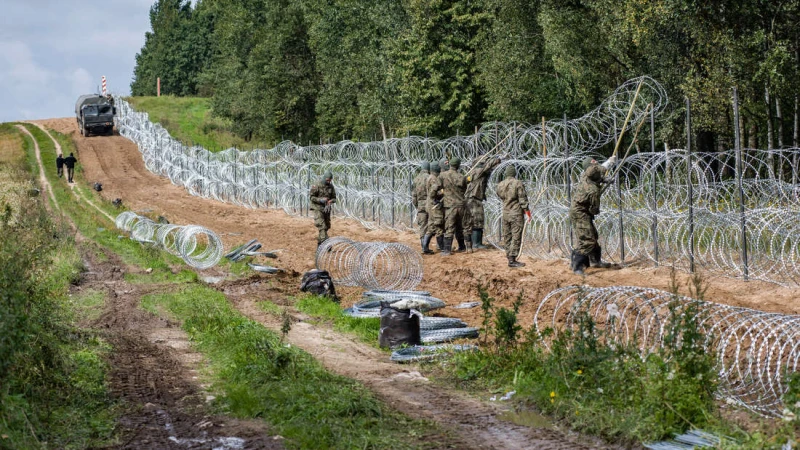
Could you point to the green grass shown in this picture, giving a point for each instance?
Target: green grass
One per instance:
(53, 391)
(92, 224)
(88, 305)
(190, 120)
(271, 308)
(260, 376)
(366, 329)
(162, 275)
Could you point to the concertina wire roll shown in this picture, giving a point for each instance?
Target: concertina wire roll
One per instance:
(198, 246)
(754, 350)
(645, 213)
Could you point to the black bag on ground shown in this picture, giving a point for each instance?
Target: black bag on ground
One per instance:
(398, 327)
(318, 282)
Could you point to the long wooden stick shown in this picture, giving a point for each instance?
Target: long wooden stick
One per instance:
(635, 135)
(624, 125)
(475, 164)
(522, 240)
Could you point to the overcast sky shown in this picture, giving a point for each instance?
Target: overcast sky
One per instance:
(52, 51)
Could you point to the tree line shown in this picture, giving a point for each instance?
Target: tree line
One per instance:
(323, 70)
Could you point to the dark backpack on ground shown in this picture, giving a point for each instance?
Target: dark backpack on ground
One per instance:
(318, 282)
(98, 187)
(398, 327)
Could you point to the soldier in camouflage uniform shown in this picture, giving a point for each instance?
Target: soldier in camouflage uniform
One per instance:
(322, 197)
(434, 206)
(515, 207)
(585, 206)
(476, 194)
(419, 197)
(454, 185)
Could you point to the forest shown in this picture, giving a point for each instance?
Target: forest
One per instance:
(323, 71)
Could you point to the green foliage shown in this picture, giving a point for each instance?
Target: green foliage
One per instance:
(262, 377)
(190, 120)
(324, 308)
(583, 377)
(52, 376)
(310, 70)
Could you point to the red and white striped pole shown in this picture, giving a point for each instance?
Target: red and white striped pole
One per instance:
(104, 85)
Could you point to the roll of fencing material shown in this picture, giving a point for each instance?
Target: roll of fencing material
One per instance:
(371, 265)
(429, 352)
(370, 305)
(754, 350)
(448, 334)
(198, 246)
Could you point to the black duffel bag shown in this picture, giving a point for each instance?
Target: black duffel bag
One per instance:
(318, 282)
(398, 327)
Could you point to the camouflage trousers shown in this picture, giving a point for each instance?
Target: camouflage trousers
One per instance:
(453, 221)
(435, 225)
(585, 235)
(512, 233)
(422, 221)
(474, 216)
(322, 221)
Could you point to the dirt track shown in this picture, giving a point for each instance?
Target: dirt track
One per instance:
(116, 162)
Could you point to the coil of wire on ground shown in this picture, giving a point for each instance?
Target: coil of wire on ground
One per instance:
(371, 265)
(754, 350)
(198, 246)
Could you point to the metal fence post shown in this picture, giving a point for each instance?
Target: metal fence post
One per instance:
(619, 205)
(739, 175)
(569, 180)
(689, 181)
(392, 195)
(654, 174)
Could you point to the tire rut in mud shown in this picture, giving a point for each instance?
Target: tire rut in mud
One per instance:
(151, 374)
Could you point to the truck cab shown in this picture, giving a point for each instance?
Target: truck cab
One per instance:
(95, 114)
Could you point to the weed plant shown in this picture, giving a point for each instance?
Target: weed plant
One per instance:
(587, 380)
(52, 376)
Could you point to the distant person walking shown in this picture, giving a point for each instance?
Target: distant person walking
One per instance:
(70, 161)
(60, 165)
(322, 196)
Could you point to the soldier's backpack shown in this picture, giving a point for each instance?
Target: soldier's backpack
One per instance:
(318, 282)
(98, 187)
(398, 327)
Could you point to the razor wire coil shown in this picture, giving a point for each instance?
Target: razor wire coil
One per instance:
(644, 214)
(754, 350)
(371, 265)
(198, 246)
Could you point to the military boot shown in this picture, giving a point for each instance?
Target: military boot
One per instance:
(426, 242)
(448, 245)
(512, 262)
(477, 239)
(596, 261)
(462, 247)
(578, 263)
(440, 243)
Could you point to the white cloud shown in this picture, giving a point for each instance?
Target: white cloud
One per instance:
(82, 82)
(18, 68)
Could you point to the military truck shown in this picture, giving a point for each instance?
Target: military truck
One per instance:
(95, 114)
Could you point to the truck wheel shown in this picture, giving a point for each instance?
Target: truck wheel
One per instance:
(85, 132)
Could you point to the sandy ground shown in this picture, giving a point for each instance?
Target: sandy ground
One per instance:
(116, 162)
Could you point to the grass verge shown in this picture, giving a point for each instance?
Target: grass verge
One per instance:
(261, 376)
(588, 381)
(322, 308)
(190, 120)
(53, 392)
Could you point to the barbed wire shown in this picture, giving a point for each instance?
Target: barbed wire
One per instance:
(371, 265)
(754, 350)
(646, 214)
(198, 246)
